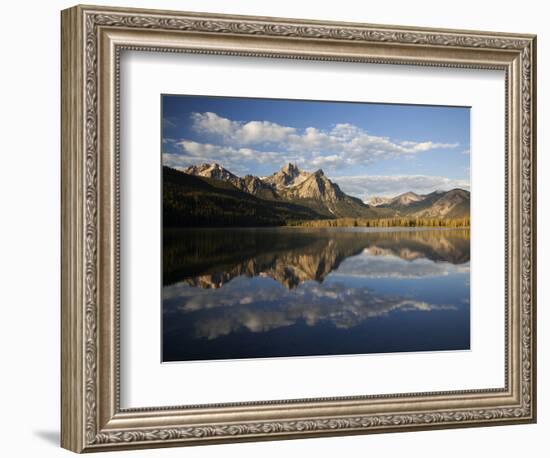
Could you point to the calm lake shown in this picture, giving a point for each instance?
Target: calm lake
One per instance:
(278, 292)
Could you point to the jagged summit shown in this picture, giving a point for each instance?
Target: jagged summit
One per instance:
(376, 201)
(316, 191)
(214, 170)
(317, 186)
(406, 198)
(288, 175)
(291, 169)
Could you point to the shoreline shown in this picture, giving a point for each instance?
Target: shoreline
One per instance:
(309, 228)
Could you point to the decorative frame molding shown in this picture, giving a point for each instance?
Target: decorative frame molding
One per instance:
(92, 39)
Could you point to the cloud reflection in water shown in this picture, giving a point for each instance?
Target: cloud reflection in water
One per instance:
(339, 280)
(267, 305)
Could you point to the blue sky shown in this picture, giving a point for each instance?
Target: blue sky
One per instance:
(368, 149)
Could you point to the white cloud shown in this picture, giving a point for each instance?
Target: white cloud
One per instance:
(212, 123)
(236, 159)
(326, 161)
(344, 144)
(240, 133)
(366, 186)
(261, 131)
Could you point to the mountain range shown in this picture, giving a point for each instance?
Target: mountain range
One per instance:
(438, 204)
(211, 195)
(290, 184)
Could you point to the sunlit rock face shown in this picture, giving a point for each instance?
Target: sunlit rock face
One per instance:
(289, 175)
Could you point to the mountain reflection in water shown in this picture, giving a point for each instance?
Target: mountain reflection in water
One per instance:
(244, 293)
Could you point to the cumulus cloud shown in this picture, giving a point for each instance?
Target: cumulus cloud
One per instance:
(232, 158)
(335, 304)
(367, 186)
(343, 145)
(241, 133)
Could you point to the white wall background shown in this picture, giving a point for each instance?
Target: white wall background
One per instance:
(29, 242)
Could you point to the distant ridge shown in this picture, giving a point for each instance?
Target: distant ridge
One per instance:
(291, 184)
(210, 194)
(438, 204)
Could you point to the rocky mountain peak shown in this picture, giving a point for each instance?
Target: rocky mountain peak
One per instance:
(407, 198)
(288, 175)
(456, 195)
(214, 170)
(317, 186)
(291, 169)
(217, 172)
(376, 201)
(319, 173)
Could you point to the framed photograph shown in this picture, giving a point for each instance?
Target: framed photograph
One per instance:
(278, 228)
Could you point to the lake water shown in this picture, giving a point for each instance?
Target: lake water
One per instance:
(279, 292)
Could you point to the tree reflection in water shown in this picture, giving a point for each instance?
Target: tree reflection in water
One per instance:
(245, 288)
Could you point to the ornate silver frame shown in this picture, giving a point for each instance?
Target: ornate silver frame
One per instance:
(92, 39)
